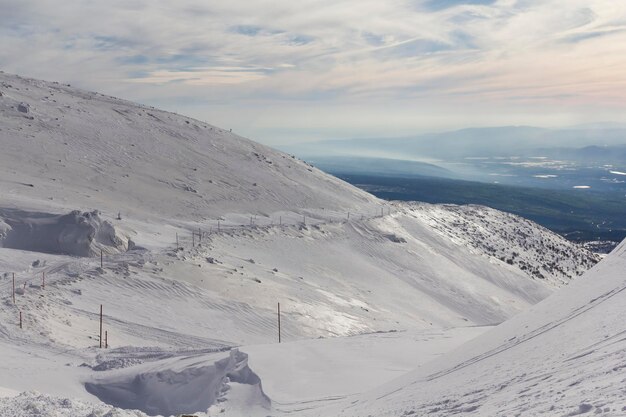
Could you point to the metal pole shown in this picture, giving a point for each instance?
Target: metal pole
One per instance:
(279, 323)
(100, 326)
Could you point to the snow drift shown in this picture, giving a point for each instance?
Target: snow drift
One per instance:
(77, 233)
(182, 385)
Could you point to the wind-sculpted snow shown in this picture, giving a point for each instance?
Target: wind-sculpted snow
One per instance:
(179, 385)
(76, 233)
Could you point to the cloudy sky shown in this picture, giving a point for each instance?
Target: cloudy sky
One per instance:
(283, 71)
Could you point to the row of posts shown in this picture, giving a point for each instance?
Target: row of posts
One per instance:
(252, 219)
(103, 339)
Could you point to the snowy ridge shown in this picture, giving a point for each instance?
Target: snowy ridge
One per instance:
(84, 150)
(512, 239)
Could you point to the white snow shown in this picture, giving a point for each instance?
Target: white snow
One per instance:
(564, 356)
(76, 233)
(203, 233)
(177, 385)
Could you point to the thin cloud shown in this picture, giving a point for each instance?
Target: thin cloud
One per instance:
(495, 54)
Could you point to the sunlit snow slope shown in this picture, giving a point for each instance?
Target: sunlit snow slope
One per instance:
(565, 356)
(85, 150)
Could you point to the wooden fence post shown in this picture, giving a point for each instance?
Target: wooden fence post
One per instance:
(100, 326)
(279, 338)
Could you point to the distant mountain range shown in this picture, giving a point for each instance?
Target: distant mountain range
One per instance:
(475, 142)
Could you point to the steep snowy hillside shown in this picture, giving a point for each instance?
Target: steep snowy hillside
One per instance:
(84, 150)
(189, 236)
(566, 356)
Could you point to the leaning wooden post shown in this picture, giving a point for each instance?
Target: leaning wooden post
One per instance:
(14, 288)
(100, 326)
(278, 322)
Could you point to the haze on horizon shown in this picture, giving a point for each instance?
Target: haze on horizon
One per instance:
(282, 72)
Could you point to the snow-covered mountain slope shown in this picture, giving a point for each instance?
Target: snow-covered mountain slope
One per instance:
(84, 150)
(509, 238)
(203, 233)
(565, 356)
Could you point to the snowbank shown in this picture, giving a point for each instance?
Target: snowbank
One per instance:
(180, 386)
(77, 233)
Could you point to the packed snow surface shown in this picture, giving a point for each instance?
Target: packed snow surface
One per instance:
(202, 233)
